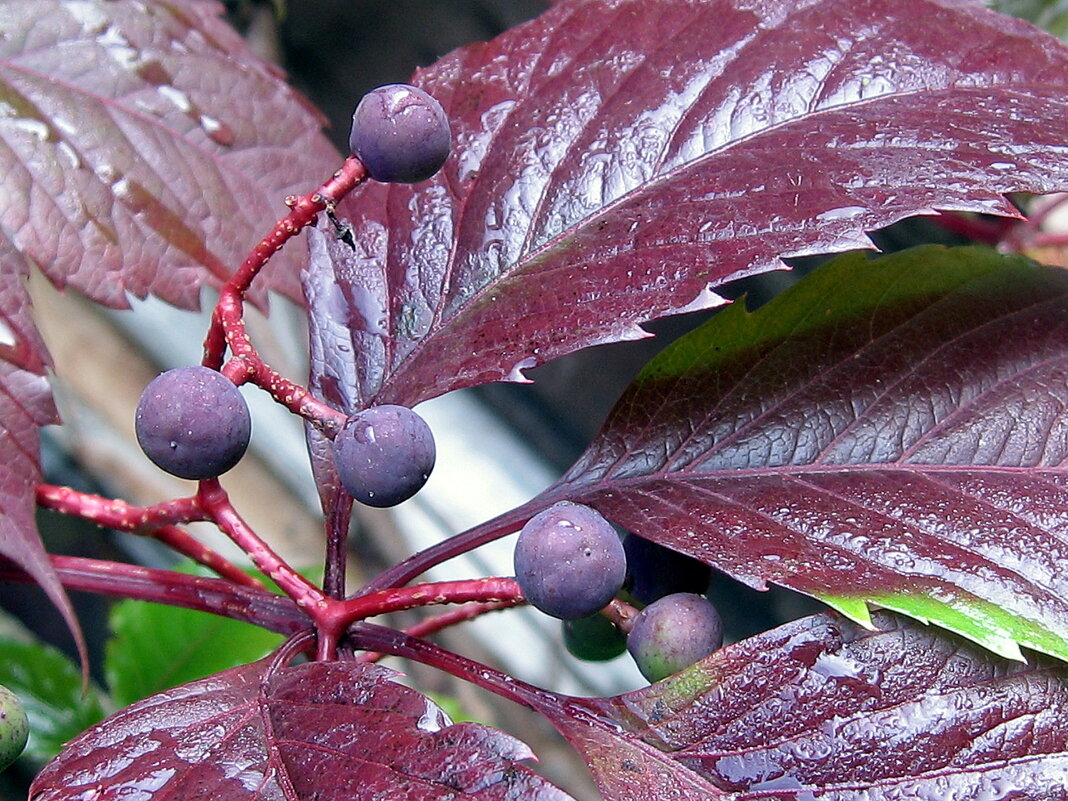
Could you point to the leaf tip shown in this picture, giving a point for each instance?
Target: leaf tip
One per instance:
(856, 609)
(516, 375)
(704, 300)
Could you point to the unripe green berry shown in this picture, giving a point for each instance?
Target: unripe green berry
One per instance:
(14, 727)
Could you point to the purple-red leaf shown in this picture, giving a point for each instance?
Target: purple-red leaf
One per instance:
(823, 709)
(616, 159)
(888, 431)
(25, 405)
(144, 147)
(324, 731)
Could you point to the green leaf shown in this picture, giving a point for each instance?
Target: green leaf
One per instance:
(156, 647)
(1049, 14)
(50, 687)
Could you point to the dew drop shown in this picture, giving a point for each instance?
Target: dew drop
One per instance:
(217, 130)
(7, 336)
(177, 97)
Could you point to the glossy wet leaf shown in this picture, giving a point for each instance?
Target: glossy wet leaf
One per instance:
(614, 160)
(326, 731)
(25, 405)
(823, 709)
(144, 147)
(888, 431)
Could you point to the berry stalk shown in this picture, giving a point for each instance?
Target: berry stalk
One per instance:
(156, 521)
(436, 623)
(117, 514)
(485, 590)
(417, 564)
(227, 329)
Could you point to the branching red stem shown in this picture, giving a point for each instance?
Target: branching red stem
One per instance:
(227, 328)
(214, 500)
(147, 521)
(484, 590)
(400, 574)
(436, 623)
(118, 514)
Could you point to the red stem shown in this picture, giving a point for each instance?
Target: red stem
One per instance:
(249, 368)
(228, 325)
(501, 526)
(117, 514)
(217, 596)
(336, 526)
(342, 614)
(436, 623)
(1048, 240)
(146, 521)
(1043, 208)
(184, 543)
(397, 643)
(214, 500)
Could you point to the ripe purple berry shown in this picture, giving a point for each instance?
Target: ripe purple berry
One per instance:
(400, 133)
(654, 571)
(673, 633)
(384, 455)
(569, 561)
(193, 422)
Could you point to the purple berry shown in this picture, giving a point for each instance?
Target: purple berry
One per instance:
(193, 422)
(673, 633)
(384, 455)
(654, 571)
(400, 133)
(569, 561)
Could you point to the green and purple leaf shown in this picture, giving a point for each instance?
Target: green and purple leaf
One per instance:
(820, 708)
(616, 161)
(339, 730)
(824, 709)
(888, 432)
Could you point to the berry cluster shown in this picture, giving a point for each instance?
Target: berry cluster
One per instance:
(193, 422)
(569, 560)
(570, 563)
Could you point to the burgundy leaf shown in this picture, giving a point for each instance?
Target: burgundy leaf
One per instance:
(616, 159)
(25, 405)
(823, 709)
(315, 731)
(144, 147)
(889, 431)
